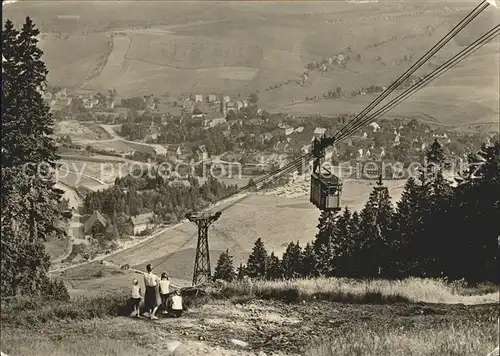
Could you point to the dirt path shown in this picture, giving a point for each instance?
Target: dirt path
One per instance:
(75, 231)
(159, 149)
(271, 326)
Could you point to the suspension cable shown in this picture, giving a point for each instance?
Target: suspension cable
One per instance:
(443, 68)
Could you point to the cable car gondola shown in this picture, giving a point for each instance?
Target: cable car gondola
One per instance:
(326, 188)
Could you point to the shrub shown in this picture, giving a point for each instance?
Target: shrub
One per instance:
(55, 290)
(33, 311)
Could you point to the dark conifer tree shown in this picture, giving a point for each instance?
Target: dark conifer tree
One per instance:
(375, 227)
(225, 269)
(437, 226)
(475, 212)
(341, 245)
(29, 196)
(351, 265)
(408, 227)
(435, 158)
(323, 242)
(256, 265)
(291, 263)
(274, 270)
(309, 268)
(242, 272)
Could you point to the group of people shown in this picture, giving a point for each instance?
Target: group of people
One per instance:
(157, 294)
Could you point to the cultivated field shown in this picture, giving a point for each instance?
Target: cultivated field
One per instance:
(97, 172)
(112, 67)
(80, 132)
(72, 59)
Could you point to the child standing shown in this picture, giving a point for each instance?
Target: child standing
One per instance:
(136, 297)
(164, 291)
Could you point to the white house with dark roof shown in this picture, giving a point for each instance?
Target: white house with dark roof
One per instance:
(318, 132)
(239, 104)
(142, 222)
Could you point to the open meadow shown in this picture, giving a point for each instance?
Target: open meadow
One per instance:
(239, 48)
(341, 317)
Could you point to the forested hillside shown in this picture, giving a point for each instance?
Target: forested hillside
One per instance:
(435, 230)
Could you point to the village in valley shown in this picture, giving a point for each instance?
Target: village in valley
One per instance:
(232, 137)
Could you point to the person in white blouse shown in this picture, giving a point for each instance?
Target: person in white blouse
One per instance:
(152, 298)
(164, 291)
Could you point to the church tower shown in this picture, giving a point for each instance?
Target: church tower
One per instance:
(223, 106)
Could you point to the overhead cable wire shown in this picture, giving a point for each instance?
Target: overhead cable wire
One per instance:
(443, 68)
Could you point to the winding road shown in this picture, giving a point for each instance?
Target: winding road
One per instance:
(75, 230)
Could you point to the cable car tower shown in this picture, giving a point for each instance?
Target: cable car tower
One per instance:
(202, 272)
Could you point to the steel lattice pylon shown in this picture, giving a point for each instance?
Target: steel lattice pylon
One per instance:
(202, 272)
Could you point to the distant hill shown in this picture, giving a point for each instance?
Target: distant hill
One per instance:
(238, 48)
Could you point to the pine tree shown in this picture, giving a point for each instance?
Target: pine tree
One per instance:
(475, 228)
(375, 228)
(323, 242)
(408, 227)
(274, 270)
(341, 245)
(435, 158)
(256, 265)
(225, 269)
(29, 197)
(309, 268)
(352, 263)
(291, 263)
(439, 204)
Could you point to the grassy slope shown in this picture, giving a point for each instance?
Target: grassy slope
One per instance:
(310, 327)
(276, 220)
